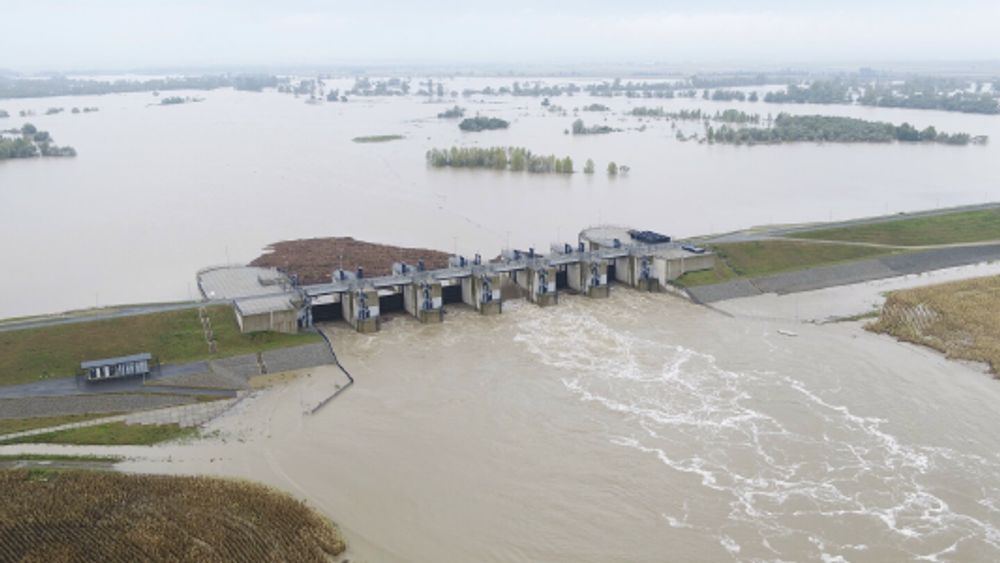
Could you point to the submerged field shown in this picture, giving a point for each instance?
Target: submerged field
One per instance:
(961, 319)
(104, 516)
(173, 336)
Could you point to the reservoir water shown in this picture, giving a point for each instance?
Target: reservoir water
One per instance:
(158, 192)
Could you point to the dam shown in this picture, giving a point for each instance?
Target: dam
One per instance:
(267, 299)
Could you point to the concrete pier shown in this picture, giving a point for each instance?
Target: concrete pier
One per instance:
(361, 309)
(422, 299)
(482, 291)
(539, 280)
(588, 278)
(644, 260)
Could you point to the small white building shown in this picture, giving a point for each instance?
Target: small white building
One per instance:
(277, 313)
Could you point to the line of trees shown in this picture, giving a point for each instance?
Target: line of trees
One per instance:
(62, 86)
(480, 123)
(453, 113)
(579, 128)
(818, 92)
(29, 142)
(515, 159)
(725, 95)
(823, 128)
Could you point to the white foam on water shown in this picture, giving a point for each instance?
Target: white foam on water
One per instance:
(691, 414)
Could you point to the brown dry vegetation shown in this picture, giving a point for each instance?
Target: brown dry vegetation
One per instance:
(103, 516)
(961, 319)
(315, 259)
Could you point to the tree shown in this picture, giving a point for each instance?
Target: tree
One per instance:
(588, 168)
(567, 165)
(612, 169)
(517, 160)
(28, 129)
(578, 127)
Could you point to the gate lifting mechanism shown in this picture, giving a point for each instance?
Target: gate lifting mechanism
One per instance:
(487, 296)
(644, 269)
(595, 275)
(427, 302)
(543, 282)
(364, 313)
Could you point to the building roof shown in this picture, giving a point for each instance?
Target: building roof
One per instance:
(264, 305)
(119, 360)
(237, 282)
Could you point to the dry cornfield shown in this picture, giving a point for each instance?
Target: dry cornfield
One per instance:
(105, 516)
(961, 319)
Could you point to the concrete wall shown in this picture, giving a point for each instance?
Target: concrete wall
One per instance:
(539, 292)
(414, 302)
(668, 269)
(486, 300)
(277, 321)
(579, 277)
(352, 307)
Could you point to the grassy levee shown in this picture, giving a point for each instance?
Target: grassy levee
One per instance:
(109, 516)
(12, 425)
(110, 434)
(949, 228)
(961, 318)
(173, 336)
(772, 256)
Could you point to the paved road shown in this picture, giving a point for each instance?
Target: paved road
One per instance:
(111, 313)
(820, 277)
(77, 386)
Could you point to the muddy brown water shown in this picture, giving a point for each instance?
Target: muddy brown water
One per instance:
(638, 428)
(157, 193)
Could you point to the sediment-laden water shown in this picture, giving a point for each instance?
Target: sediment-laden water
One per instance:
(158, 192)
(639, 428)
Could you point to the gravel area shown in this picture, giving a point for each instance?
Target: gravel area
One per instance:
(723, 291)
(824, 276)
(206, 380)
(307, 356)
(86, 404)
(236, 367)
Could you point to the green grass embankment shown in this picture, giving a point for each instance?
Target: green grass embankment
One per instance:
(948, 228)
(773, 256)
(172, 337)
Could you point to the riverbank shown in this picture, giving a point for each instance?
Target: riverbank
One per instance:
(960, 319)
(63, 514)
(623, 429)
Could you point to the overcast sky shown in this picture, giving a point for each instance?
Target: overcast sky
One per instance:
(124, 34)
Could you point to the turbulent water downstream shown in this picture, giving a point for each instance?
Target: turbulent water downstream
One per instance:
(639, 428)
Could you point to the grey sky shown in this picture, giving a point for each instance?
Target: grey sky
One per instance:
(110, 34)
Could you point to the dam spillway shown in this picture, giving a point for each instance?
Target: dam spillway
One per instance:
(268, 299)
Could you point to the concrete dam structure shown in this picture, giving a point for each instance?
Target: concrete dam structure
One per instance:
(639, 259)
